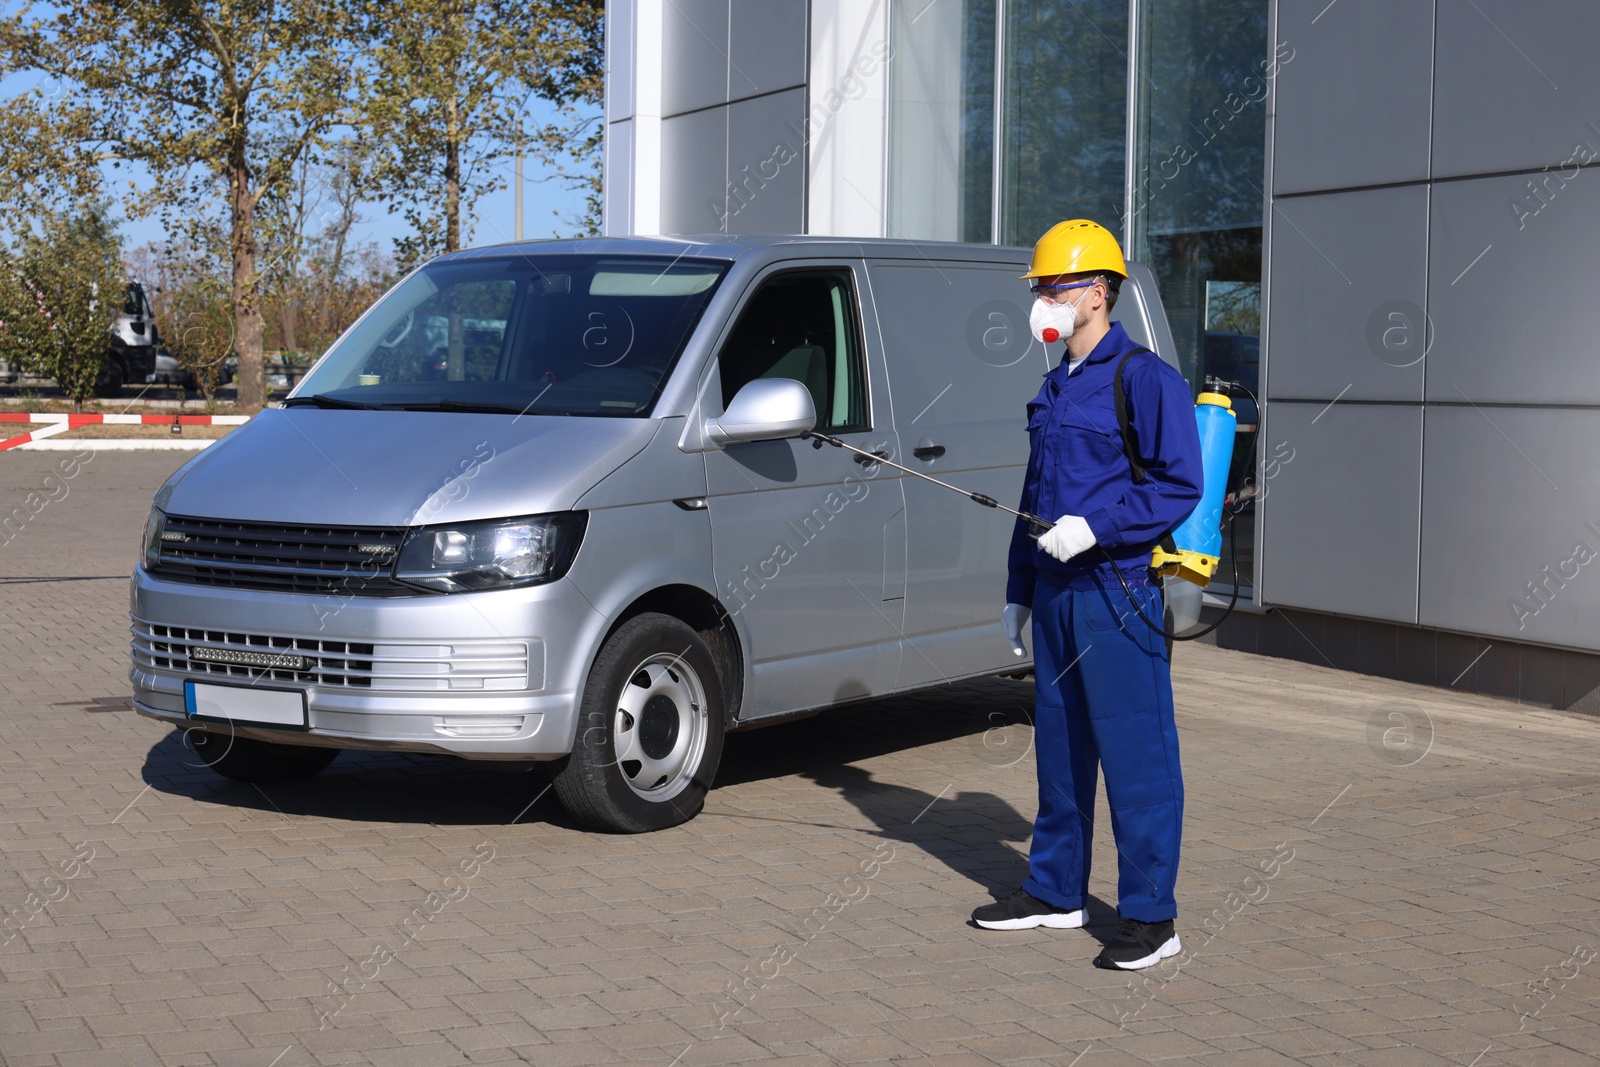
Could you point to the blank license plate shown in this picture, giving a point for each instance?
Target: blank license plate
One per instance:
(245, 705)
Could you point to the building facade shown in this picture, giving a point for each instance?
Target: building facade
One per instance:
(1382, 216)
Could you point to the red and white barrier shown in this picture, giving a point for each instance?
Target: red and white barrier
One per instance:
(58, 422)
(36, 435)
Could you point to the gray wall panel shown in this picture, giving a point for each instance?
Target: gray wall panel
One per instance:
(1517, 325)
(1348, 285)
(1517, 83)
(1353, 100)
(694, 168)
(694, 62)
(766, 168)
(1502, 501)
(1504, 267)
(1341, 512)
(768, 52)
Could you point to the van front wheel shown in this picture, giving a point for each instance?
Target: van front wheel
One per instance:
(649, 730)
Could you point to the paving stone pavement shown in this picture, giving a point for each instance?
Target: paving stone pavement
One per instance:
(1374, 873)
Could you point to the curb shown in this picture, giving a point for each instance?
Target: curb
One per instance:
(106, 444)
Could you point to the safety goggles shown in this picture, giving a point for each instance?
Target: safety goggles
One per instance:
(1053, 292)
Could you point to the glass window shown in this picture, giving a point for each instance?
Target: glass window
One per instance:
(1194, 213)
(1065, 115)
(941, 127)
(457, 334)
(1195, 216)
(802, 325)
(541, 335)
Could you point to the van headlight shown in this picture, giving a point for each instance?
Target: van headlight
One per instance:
(154, 527)
(491, 555)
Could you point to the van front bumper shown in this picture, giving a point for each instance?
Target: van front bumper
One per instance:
(493, 675)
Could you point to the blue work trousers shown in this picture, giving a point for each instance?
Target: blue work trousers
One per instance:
(1103, 699)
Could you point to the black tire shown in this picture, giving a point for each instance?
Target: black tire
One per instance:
(109, 382)
(245, 759)
(650, 728)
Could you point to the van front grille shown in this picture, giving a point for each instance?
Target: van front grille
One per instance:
(335, 560)
(252, 658)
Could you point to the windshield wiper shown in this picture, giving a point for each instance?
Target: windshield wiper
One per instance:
(321, 400)
(470, 405)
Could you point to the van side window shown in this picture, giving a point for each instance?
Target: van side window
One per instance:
(802, 325)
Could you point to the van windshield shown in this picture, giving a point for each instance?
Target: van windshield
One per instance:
(540, 335)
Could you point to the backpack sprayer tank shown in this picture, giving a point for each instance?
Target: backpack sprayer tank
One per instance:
(1198, 539)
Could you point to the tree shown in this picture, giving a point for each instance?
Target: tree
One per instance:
(49, 161)
(572, 149)
(61, 289)
(342, 276)
(446, 109)
(189, 292)
(286, 214)
(322, 276)
(219, 99)
(311, 294)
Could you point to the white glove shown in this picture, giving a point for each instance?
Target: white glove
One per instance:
(1067, 538)
(1012, 620)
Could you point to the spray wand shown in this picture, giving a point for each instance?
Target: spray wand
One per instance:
(1038, 526)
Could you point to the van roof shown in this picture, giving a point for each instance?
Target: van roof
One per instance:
(735, 246)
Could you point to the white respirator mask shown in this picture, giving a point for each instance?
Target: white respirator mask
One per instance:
(1053, 319)
(1052, 322)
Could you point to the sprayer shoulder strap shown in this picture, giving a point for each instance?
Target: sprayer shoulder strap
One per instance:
(1119, 392)
(1130, 444)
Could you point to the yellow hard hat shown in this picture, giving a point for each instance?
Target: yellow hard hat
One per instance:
(1076, 246)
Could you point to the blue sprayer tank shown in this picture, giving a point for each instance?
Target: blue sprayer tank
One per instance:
(1199, 537)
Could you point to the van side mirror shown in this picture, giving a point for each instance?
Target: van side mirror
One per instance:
(767, 409)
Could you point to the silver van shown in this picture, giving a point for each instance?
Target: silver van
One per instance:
(551, 501)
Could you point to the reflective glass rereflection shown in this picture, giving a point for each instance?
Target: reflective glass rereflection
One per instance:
(941, 121)
(1065, 115)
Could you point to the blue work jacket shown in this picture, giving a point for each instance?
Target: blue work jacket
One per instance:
(1077, 466)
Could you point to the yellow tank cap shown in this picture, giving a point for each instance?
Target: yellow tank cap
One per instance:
(1214, 398)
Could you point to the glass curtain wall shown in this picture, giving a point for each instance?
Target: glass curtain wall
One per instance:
(1064, 129)
(1194, 211)
(1196, 204)
(941, 124)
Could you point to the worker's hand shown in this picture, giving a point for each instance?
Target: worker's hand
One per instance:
(1067, 538)
(1012, 620)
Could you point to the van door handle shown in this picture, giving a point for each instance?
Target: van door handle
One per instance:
(928, 451)
(877, 454)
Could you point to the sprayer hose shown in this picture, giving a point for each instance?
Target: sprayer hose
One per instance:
(1233, 552)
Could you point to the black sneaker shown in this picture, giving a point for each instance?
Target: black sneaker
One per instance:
(1139, 945)
(1023, 911)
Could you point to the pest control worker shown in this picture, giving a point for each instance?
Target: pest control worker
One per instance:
(1103, 687)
